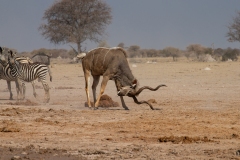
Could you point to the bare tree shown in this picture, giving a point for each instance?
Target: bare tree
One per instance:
(171, 51)
(196, 49)
(103, 44)
(234, 29)
(121, 45)
(133, 51)
(75, 21)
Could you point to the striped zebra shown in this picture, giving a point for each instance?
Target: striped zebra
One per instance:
(6, 74)
(28, 72)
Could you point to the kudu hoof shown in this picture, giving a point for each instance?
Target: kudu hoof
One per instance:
(93, 108)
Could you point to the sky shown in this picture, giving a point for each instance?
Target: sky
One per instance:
(150, 24)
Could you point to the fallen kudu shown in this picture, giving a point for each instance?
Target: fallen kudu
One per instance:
(112, 64)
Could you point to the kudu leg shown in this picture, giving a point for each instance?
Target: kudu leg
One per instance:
(94, 86)
(10, 90)
(87, 84)
(103, 86)
(118, 86)
(123, 103)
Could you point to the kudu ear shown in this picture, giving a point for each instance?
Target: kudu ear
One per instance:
(134, 84)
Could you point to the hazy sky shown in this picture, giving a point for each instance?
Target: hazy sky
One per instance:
(148, 23)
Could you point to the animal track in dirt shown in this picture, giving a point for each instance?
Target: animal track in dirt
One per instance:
(184, 139)
(26, 103)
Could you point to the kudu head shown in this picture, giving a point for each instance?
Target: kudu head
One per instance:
(133, 90)
(126, 87)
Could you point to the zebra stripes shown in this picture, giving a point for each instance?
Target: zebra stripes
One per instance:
(7, 74)
(29, 72)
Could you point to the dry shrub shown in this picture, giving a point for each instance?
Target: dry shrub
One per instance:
(105, 102)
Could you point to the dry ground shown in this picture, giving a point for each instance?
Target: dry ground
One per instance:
(199, 116)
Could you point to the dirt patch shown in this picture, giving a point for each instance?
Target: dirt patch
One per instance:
(11, 111)
(32, 153)
(152, 101)
(184, 139)
(198, 118)
(27, 102)
(9, 126)
(105, 102)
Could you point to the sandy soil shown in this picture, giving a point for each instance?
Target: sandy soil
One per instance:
(198, 116)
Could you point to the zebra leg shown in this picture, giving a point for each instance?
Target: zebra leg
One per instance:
(34, 91)
(23, 90)
(46, 89)
(10, 90)
(19, 88)
(50, 73)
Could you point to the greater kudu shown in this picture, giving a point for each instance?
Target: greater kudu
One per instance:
(112, 64)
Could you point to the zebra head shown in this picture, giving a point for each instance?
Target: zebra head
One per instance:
(11, 58)
(12, 54)
(2, 58)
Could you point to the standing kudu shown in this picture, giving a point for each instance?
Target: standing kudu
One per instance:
(112, 64)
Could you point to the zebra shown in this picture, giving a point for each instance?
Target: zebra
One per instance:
(28, 72)
(44, 59)
(6, 74)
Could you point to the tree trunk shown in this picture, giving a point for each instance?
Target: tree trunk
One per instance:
(79, 47)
